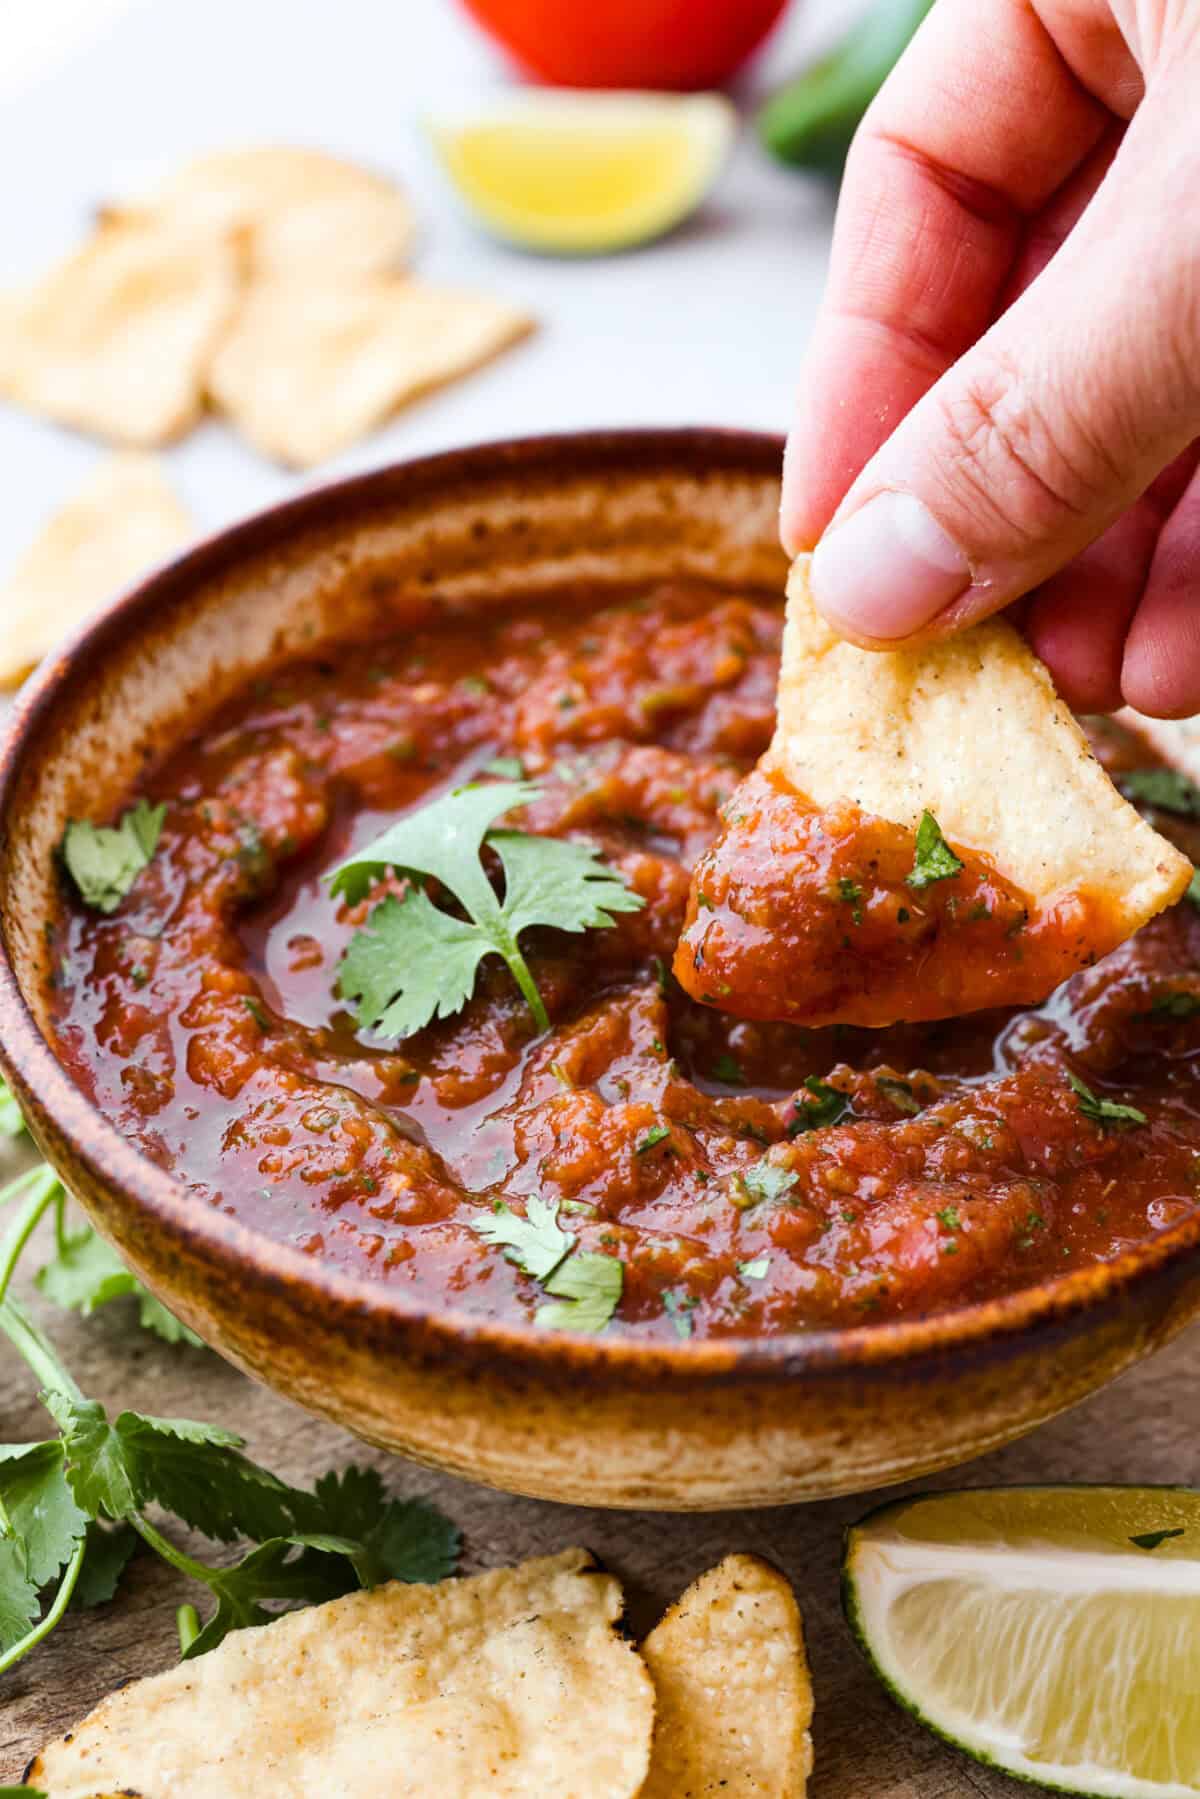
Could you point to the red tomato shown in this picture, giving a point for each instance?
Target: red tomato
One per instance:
(629, 43)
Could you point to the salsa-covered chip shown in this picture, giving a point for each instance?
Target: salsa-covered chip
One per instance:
(928, 834)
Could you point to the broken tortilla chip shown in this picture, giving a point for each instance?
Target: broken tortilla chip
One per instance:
(306, 213)
(513, 1683)
(116, 339)
(929, 833)
(121, 522)
(734, 1694)
(306, 372)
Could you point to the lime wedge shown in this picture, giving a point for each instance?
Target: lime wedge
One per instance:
(584, 173)
(1053, 1632)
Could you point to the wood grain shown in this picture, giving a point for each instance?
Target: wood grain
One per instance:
(1140, 1430)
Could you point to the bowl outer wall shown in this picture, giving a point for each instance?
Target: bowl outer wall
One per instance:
(597, 1421)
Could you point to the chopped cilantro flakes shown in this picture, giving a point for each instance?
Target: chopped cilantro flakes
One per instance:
(828, 1105)
(764, 1180)
(900, 1094)
(658, 1133)
(1107, 1113)
(727, 1068)
(934, 859)
(679, 1308)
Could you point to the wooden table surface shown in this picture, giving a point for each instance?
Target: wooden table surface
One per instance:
(1142, 1429)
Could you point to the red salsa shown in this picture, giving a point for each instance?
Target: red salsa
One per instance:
(749, 1177)
(834, 916)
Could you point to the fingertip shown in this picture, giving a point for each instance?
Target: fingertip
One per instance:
(1160, 671)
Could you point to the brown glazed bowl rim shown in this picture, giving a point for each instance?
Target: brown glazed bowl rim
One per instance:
(360, 1305)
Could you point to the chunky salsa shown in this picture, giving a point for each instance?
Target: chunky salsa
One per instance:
(647, 1165)
(832, 915)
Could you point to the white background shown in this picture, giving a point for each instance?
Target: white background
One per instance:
(99, 97)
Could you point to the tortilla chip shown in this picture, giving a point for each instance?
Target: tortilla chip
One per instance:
(306, 213)
(512, 1684)
(971, 729)
(734, 1695)
(115, 340)
(122, 521)
(306, 371)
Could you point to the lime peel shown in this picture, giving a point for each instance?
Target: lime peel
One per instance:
(1029, 1628)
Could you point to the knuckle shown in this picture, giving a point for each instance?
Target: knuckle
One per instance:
(1018, 464)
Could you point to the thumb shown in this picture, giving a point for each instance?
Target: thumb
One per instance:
(1042, 434)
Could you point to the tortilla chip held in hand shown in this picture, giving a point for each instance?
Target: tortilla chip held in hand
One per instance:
(929, 833)
(513, 1684)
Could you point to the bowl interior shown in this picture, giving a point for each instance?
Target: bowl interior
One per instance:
(447, 539)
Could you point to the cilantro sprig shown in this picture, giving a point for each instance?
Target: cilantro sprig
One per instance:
(105, 860)
(933, 860)
(414, 961)
(1107, 1113)
(583, 1288)
(73, 1507)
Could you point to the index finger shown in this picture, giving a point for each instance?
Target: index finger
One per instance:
(978, 125)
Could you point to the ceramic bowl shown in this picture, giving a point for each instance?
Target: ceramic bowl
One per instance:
(692, 1425)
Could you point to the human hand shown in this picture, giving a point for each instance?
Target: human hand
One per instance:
(1002, 391)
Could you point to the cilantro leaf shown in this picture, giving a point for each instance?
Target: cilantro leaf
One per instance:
(900, 1094)
(109, 1548)
(537, 1244)
(828, 1105)
(934, 859)
(105, 860)
(658, 1133)
(87, 1273)
(419, 962)
(413, 1542)
(22, 1793)
(194, 1470)
(727, 1068)
(763, 1180)
(19, 1603)
(756, 1270)
(410, 964)
(11, 1121)
(679, 1309)
(407, 1540)
(384, 1538)
(585, 1292)
(282, 1568)
(1165, 788)
(1175, 1004)
(1107, 1113)
(38, 1508)
(1152, 1539)
(1192, 891)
